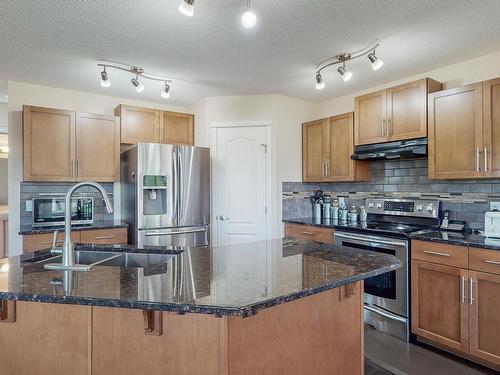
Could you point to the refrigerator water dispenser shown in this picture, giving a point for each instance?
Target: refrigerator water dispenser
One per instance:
(154, 193)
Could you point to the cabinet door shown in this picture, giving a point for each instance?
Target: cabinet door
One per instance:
(485, 316)
(49, 138)
(138, 124)
(339, 134)
(491, 127)
(177, 128)
(370, 118)
(97, 148)
(455, 133)
(313, 162)
(439, 304)
(407, 111)
(36, 242)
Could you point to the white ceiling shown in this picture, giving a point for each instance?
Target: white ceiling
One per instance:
(57, 43)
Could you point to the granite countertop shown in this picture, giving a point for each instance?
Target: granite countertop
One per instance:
(26, 230)
(458, 238)
(237, 280)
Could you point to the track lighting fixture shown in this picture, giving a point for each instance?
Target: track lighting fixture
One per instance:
(320, 85)
(186, 7)
(137, 72)
(345, 74)
(139, 87)
(341, 59)
(249, 18)
(105, 82)
(376, 62)
(166, 91)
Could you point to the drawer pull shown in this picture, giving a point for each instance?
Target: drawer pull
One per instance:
(104, 237)
(308, 233)
(50, 242)
(495, 262)
(436, 253)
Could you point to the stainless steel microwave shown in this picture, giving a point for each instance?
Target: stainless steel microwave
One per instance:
(50, 211)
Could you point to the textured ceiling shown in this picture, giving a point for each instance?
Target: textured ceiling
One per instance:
(57, 43)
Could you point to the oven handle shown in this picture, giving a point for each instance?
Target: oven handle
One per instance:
(385, 314)
(367, 239)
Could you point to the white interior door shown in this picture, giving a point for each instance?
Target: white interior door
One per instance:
(241, 162)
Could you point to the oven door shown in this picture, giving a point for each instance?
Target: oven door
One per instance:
(389, 290)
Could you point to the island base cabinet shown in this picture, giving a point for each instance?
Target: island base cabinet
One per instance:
(320, 334)
(46, 339)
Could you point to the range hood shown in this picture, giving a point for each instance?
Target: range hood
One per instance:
(411, 148)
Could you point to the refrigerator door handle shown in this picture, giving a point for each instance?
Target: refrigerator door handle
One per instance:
(181, 193)
(173, 233)
(175, 183)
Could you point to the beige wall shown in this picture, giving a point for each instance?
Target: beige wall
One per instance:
(3, 181)
(27, 94)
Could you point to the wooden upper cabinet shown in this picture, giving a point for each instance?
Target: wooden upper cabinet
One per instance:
(97, 148)
(138, 124)
(49, 139)
(327, 146)
(370, 118)
(177, 128)
(484, 316)
(393, 114)
(440, 309)
(313, 163)
(455, 133)
(491, 127)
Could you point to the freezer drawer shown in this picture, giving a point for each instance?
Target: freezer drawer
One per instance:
(179, 236)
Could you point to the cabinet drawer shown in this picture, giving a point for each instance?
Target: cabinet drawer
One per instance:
(484, 260)
(308, 232)
(105, 236)
(44, 241)
(450, 255)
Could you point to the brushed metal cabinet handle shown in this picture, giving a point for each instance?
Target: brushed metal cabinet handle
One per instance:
(104, 237)
(478, 168)
(462, 289)
(308, 233)
(485, 159)
(495, 262)
(436, 253)
(471, 296)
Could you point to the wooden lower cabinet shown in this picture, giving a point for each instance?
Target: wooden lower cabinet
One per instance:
(44, 241)
(485, 316)
(440, 311)
(104, 236)
(46, 339)
(309, 232)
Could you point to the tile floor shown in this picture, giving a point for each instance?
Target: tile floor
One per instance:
(401, 358)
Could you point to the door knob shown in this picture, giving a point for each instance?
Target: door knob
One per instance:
(223, 218)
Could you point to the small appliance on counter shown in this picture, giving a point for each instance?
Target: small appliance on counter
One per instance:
(451, 225)
(492, 224)
(50, 211)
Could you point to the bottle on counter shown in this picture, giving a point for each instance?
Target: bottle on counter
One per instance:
(353, 215)
(362, 214)
(316, 207)
(334, 210)
(342, 212)
(327, 202)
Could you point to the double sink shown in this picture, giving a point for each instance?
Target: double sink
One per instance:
(90, 259)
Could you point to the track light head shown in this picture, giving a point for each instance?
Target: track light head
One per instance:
(186, 7)
(320, 85)
(345, 74)
(376, 62)
(166, 91)
(105, 82)
(139, 87)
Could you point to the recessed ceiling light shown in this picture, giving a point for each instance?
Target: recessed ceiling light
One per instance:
(187, 7)
(320, 85)
(249, 18)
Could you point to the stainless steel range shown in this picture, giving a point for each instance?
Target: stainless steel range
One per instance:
(387, 230)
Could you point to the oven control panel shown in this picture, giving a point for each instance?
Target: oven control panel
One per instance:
(403, 207)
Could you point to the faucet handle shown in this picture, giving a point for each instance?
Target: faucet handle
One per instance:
(54, 249)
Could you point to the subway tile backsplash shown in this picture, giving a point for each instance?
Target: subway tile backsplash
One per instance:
(30, 190)
(467, 200)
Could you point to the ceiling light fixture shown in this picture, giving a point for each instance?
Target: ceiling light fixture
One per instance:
(105, 82)
(166, 91)
(345, 74)
(376, 62)
(341, 59)
(137, 72)
(320, 85)
(186, 7)
(249, 18)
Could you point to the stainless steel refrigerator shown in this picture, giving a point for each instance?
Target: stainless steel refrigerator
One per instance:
(165, 194)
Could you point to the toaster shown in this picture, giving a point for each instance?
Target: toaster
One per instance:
(492, 224)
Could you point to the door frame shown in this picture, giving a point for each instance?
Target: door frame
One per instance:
(214, 126)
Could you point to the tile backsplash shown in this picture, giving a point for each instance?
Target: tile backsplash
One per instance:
(466, 199)
(30, 190)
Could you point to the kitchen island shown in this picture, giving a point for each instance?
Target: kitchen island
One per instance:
(270, 307)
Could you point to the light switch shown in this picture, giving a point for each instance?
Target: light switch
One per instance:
(29, 206)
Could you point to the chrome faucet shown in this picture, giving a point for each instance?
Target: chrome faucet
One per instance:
(68, 255)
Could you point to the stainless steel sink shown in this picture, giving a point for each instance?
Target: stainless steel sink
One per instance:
(89, 259)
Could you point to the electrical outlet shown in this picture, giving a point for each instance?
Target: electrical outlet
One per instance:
(494, 206)
(29, 206)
